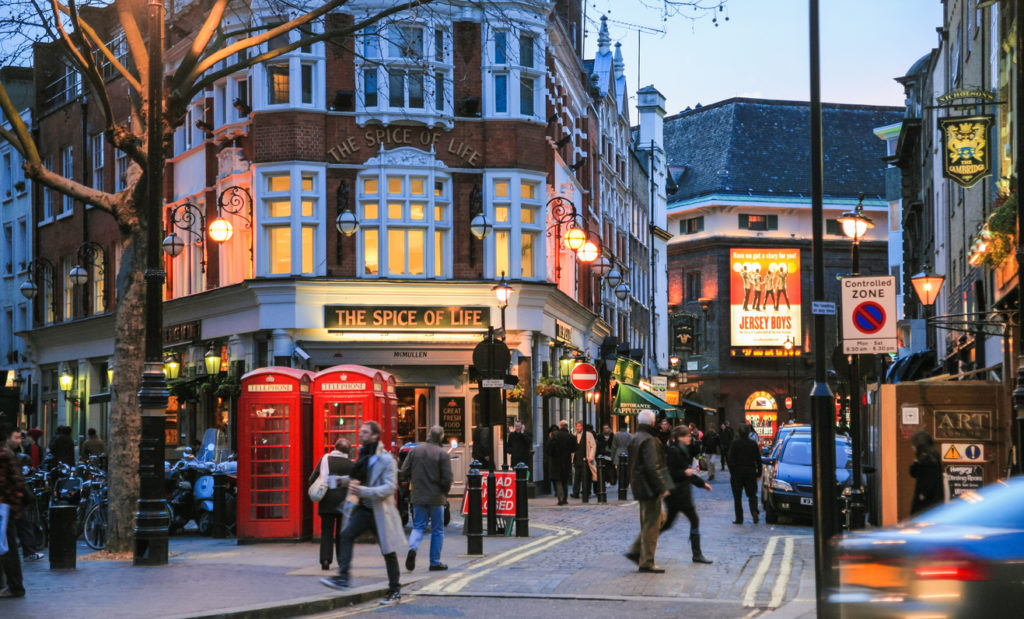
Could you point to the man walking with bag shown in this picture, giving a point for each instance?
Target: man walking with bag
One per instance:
(428, 467)
(651, 484)
(373, 482)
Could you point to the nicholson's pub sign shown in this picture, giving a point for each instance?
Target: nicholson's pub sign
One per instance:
(966, 158)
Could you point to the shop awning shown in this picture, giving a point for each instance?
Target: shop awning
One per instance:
(697, 408)
(630, 400)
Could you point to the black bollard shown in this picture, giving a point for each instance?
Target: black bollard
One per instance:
(522, 505)
(63, 536)
(623, 475)
(602, 492)
(474, 522)
(492, 503)
(218, 529)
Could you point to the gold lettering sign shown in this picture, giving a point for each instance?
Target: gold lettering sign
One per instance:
(426, 139)
(965, 159)
(343, 386)
(397, 318)
(267, 388)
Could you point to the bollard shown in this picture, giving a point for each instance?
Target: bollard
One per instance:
(63, 536)
(602, 492)
(522, 505)
(474, 524)
(218, 529)
(492, 504)
(623, 475)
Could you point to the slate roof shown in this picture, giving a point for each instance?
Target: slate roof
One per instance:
(762, 147)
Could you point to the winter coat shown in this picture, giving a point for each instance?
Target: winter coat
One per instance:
(927, 476)
(586, 447)
(620, 443)
(745, 457)
(519, 447)
(678, 459)
(337, 464)
(379, 491)
(428, 467)
(560, 447)
(63, 448)
(649, 476)
(12, 486)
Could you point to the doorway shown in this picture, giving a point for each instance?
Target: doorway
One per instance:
(413, 414)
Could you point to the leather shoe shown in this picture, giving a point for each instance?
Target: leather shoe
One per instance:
(410, 560)
(440, 567)
(756, 519)
(632, 556)
(654, 569)
(737, 522)
(325, 565)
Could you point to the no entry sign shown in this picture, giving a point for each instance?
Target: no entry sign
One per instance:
(869, 315)
(583, 377)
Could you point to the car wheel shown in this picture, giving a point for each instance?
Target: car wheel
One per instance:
(770, 515)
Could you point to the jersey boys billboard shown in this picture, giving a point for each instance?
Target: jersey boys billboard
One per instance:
(764, 298)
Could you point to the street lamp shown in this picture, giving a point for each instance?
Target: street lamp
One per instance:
(212, 361)
(927, 285)
(171, 367)
(588, 253)
(67, 383)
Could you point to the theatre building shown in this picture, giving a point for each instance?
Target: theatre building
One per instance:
(348, 182)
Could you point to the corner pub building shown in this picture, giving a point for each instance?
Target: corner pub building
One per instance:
(410, 129)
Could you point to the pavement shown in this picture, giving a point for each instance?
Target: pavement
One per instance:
(573, 556)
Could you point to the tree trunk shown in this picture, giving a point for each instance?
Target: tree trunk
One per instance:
(125, 419)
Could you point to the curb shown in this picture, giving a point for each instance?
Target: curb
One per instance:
(297, 607)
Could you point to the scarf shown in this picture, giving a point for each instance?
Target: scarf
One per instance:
(361, 471)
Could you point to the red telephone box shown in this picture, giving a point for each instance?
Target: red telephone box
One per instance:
(343, 397)
(274, 436)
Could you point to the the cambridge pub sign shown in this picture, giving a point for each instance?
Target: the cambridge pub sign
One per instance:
(966, 159)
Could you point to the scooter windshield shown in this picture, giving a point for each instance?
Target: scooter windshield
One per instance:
(215, 448)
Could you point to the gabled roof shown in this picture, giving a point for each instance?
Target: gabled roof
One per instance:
(762, 147)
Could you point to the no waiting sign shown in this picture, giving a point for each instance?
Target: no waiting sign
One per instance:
(869, 315)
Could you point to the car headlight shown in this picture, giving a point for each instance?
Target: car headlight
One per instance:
(778, 484)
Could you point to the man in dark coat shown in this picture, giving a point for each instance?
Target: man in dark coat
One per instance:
(745, 464)
(680, 468)
(519, 445)
(561, 447)
(428, 467)
(926, 471)
(329, 508)
(62, 447)
(725, 439)
(651, 483)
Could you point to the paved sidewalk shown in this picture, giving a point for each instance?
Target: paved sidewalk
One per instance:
(219, 578)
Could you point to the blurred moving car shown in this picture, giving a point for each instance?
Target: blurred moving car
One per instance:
(964, 558)
(788, 488)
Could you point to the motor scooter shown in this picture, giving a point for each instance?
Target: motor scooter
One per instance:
(215, 458)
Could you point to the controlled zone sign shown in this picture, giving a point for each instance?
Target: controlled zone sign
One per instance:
(505, 499)
(869, 315)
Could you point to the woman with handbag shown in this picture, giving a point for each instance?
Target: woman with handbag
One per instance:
(330, 480)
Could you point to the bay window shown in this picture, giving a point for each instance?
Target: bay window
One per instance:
(513, 83)
(290, 209)
(294, 79)
(516, 209)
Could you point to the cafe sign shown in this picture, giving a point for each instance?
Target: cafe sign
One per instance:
(966, 158)
(387, 318)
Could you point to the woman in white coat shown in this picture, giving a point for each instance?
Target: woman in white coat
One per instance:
(373, 481)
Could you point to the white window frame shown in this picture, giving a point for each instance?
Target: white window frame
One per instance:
(295, 221)
(47, 215)
(514, 71)
(97, 146)
(377, 60)
(121, 164)
(383, 224)
(67, 170)
(515, 226)
(7, 182)
(294, 60)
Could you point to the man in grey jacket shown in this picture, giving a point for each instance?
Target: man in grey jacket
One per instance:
(428, 467)
(651, 483)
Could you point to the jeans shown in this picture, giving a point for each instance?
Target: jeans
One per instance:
(11, 562)
(360, 520)
(330, 536)
(582, 479)
(420, 515)
(673, 507)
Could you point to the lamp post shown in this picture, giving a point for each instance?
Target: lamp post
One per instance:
(151, 522)
(42, 269)
(855, 224)
(90, 258)
(502, 291)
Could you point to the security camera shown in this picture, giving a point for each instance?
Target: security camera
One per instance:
(301, 353)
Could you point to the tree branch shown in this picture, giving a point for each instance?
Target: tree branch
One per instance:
(114, 62)
(39, 173)
(133, 36)
(28, 145)
(201, 40)
(8, 135)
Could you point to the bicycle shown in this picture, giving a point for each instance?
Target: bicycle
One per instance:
(94, 528)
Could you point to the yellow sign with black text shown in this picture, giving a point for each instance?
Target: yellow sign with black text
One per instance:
(966, 158)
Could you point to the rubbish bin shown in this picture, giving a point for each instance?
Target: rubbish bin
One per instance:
(63, 536)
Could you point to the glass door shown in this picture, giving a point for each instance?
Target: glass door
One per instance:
(269, 462)
(341, 420)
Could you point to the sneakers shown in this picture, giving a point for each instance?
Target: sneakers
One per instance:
(652, 569)
(440, 567)
(410, 560)
(393, 597)
(35, 556)
(336, 582)
(7, 593)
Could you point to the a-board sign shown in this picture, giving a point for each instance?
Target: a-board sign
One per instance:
(453, 418)
(505, 499)
(961, 478)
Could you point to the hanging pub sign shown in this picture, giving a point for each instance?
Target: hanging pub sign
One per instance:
(682, 334)
(966, 158)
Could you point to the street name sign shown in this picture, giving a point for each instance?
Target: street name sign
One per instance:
(869, 315)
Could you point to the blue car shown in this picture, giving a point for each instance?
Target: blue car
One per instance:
(788, 486)
(964, 558)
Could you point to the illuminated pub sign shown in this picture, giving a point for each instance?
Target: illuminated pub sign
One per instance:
(966, 158)
(383, 318)
(764, 301)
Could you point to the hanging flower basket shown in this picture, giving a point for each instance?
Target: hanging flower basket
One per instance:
(516, 394)
(1002, 229)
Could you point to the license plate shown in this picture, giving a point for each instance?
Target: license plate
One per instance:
(806, 500)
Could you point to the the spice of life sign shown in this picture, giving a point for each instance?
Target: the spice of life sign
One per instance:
(869, 315)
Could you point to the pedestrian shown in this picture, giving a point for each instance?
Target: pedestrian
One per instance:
(619, 446)
(372, 484)
(651, 483)
(93, 446)
(711, 448)
(604, 448)
(561, 447)
(12, 438)
(664, 431)
(518, 445)
(680, 468)
(27, 526)
(482, 446)
(547, 453)
(745, 464)
(339, 467)
(34, 449)
(583, 462)
(926, 472)
(428, 467)
(725, 441)
(12, 494)
(62, 447)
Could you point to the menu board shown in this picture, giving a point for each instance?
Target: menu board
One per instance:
(961, 478)
(453, 418)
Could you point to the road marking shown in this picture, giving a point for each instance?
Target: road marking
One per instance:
(782, 580)
(750, 594)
